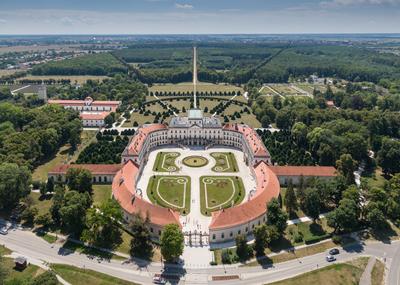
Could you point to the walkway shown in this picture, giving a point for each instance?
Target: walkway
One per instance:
(366, 276)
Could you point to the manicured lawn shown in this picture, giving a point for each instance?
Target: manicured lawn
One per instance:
(101, 193)
(187, 87)
(376, 180)
(195, 161)
(75, 275)
(341, 273)
(225, 162)
(308, 231)
(218, 192)
(165, 162)
(42, 203)
(170, 192)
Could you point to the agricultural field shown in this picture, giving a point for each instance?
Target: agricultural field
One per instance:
(224, 162)
(170, 192)
(74, 79)
(219, 192)
(5, 72)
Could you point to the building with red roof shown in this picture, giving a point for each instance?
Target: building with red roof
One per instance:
(102, 173)
(125, 192)
(91, 112)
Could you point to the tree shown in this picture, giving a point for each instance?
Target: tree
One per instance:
(346, 167)
(58, 199)
(260, 239)
(141, 245)
(50, 185)
(14, 184)
(301, 190)
(79, 179)
(345, 217)
(102, 224)
(290, 199)
(109, 120)
(46, 278)
(171, 242)
(29, 214)
(44, 220)
(276, 217)
(376, 219)
(312, 204)
(73, 211)
(242, 249)
(389, 156)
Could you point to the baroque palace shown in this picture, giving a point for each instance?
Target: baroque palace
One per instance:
(197, 131)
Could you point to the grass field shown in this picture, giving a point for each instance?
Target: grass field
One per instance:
(340, 273)
(187, 87)
(170, 192)
(165, 162)
(79, 79)
(75, 276)
(377, 274)
(63, 156)
(224, 162)
(101, 193)
(13, 276)
(5, 72)
(218, 192)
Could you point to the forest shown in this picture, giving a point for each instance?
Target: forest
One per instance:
(30, 136)
(91, 64)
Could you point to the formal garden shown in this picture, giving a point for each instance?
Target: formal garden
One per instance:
(170, 192)
(224, 162)
(195, 161)
(219, 192)
(166, 162)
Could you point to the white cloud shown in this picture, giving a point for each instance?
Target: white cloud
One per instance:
(183, 6)
(3, 21)
(334, 3)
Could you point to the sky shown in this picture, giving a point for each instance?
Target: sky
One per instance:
(198, 16)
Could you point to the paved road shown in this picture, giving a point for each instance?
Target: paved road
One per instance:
(27, 244)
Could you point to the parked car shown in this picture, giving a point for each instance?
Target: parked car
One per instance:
(3, 231)
(334, 251)
(159, 280)
(330, 258)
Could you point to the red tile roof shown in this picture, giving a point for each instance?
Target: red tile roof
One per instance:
(138, 140)
(251, 136)
(267, 188)
(94, 116)
(304, 170)
(93, 168)
(124, 191)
